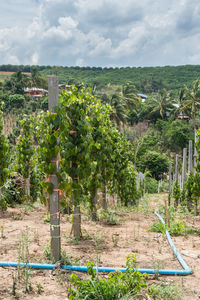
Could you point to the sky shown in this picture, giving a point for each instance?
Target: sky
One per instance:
(105, 33)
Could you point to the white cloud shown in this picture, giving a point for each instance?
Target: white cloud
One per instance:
(35, 58)
(101, 32)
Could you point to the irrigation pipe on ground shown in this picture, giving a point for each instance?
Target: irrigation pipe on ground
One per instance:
(186, 271)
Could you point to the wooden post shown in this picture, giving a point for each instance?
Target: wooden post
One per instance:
(195, 171)
(184, 167)
(167, 214)
(138, 182)
(190, 157)
(170, 183)
(195, 153)
(180, 181)
(176, 170)
(54, 197)
(159, 186)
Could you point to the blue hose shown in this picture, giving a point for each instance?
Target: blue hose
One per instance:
(186, 271)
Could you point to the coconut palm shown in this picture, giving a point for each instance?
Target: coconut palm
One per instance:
(191, 100)
(161, 103)
(129, 96)
(118, 110)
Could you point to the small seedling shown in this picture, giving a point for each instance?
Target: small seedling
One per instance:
(17, 217)
(47, 218)
(2, 232)
(157, 265)
(40, 288)
(24, 273)
(36, 237)
(115, 239)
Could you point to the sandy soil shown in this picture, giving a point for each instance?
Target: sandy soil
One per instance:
(110, 243)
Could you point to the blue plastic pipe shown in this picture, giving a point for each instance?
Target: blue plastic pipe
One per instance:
(186, 271)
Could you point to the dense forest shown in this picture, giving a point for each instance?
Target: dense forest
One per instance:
(146, 79)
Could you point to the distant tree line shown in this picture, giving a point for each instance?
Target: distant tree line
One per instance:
(146, 79)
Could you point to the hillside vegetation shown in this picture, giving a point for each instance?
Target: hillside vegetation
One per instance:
(146, 79)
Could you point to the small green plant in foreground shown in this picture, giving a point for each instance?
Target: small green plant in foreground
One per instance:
(115, 286)
(24, 273)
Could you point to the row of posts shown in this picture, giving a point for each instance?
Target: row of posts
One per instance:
(181, 178)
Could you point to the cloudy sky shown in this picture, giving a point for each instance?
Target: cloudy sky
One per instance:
(100, 32)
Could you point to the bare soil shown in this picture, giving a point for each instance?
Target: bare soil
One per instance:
(109, 243)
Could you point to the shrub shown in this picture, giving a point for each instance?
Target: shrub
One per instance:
(11, 193)
(108, 217)
(176, 228)
(156, 163)
(151, 185)
(116, 286)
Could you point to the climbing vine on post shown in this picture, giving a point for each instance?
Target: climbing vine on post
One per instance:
(4, 155)
(24, 152)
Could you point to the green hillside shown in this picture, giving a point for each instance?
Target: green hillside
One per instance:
(146, 79)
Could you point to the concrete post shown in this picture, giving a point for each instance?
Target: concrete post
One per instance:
(54, 197)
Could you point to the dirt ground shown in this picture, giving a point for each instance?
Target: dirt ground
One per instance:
(109, 243)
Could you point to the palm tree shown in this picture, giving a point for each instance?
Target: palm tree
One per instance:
(161, 103)
(35, 77)
(118, 110)
(129, 96)
(191, 100)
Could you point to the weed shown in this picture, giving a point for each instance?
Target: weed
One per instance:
(14, 287)
(157, 227)
(36, 238)
(165, 292)
(99, 240)
(47, 218)
(17, 217)
(47, 252)
(40, 288)
(115, 286)
(176, 228)
(115, 239)
(24, 273)
(136, 233)
(157, 265)
(28, 207)
(2, 232)
(108, 217)
(65, 260)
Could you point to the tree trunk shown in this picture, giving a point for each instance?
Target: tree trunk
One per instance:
(27, 187)
(77, 222)
(195, 206)
(94, 198)
(104, 197)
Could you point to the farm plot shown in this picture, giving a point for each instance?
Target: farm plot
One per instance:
(25, 236)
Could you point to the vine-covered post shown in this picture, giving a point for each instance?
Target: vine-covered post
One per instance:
(190, 157)
(54, 197)
(4, 152)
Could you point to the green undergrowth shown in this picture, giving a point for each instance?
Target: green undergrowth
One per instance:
(108, 217)
(177, 225)
(115, 286)
(165, 292)
(120, 285)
